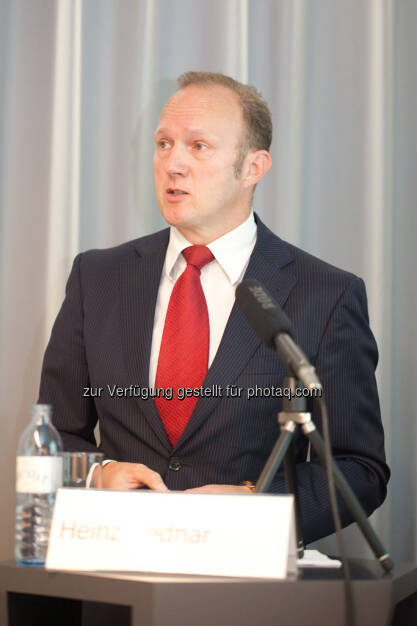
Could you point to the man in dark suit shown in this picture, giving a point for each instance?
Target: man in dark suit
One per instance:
(136, 317)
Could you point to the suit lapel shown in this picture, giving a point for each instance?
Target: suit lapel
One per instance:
(140, 276)
(239, 342)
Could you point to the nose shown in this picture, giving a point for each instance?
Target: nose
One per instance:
(177, 162)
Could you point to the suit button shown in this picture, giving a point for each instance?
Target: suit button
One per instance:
(175, 464)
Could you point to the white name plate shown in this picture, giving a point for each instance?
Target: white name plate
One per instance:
(206, 534)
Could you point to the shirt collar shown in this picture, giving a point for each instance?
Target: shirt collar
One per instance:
(231, 251)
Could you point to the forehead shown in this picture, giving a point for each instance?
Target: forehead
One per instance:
(214, 108)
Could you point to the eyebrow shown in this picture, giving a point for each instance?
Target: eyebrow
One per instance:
(191, 131)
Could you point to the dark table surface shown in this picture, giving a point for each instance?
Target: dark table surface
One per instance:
(314, 597)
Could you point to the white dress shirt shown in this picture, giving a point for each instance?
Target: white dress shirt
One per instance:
(218, 280)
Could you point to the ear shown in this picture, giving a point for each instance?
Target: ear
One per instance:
(257, 164)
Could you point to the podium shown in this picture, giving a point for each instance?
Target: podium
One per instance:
(34, 596)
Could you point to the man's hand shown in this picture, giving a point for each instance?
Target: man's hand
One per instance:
(124, 476)
(221, 489)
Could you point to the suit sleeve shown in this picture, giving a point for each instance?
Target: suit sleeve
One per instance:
(65, 372)
(346, 362)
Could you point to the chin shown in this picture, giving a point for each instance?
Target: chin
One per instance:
(174, 215)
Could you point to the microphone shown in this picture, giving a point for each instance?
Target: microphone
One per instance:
(272, 325)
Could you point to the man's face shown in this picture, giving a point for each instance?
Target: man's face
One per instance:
(197, 143)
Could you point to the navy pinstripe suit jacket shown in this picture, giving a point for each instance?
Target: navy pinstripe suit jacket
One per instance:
(102, 336)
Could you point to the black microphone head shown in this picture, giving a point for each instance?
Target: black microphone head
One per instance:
(263, 313)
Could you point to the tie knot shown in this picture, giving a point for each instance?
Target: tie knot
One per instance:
(198, 256)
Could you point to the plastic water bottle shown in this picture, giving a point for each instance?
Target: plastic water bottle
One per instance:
(38, 476)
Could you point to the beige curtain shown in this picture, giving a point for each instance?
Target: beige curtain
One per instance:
(82, 84)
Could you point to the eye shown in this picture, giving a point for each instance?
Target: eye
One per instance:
(163, 144)
(200, 146)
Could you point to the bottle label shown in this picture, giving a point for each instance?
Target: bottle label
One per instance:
(38, 474)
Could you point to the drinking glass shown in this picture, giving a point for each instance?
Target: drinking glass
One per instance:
(78, 469)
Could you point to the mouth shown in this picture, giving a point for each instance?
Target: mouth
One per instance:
(174, 191)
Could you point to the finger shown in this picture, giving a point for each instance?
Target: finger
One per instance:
(151, 479)
(219, 489)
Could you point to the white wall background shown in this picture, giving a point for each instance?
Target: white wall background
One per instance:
(82, 84)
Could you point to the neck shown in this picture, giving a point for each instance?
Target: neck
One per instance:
(202, 237)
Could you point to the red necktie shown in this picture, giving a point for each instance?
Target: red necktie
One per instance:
(183, 356)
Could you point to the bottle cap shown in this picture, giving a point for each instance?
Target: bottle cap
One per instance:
(41, 410)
